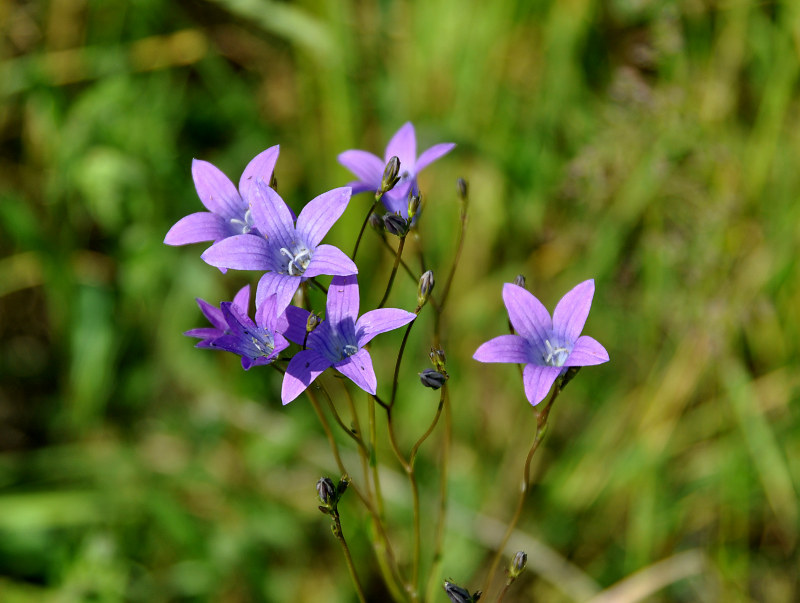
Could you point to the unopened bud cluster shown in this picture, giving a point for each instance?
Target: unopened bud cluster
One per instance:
(426, 284)
(435, 378)
(330, 494)
(390, 176)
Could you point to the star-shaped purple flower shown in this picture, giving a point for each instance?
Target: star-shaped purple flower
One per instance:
(228, 209)
(215, 316)
(369, 168)
(338, 341)
(546, 346)
(257, 342)
(290, 254)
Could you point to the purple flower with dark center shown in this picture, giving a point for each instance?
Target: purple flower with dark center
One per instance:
(215, 316)
(290, 254)
(228, 209)
(257, 342)
(369, 168)
(546, 346)
(339, 340)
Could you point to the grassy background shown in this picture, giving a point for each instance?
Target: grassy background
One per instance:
(653, 146)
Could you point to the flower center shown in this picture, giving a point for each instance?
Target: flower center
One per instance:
(349, 349)
(245, 224)
(298, 260)
(265, 345)
(555, 355)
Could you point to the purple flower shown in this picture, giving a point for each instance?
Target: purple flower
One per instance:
(338, 341)
(288, 253)
(546, 347)
(228, 209)
(257, 342)
(369, 168)
(215, 316)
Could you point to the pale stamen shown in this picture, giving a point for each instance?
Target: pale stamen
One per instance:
(297, 262)
(556, 356)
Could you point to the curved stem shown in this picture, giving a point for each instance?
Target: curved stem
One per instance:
(397, 365)
(394, 272)
(412, 479)
(387, 561)
(425, 435)
(364, 226)
(319, 286)
(541, 428)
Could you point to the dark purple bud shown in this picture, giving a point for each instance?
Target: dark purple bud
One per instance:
(460, 595)
(326, 490)
(426, 283)
(433, 379)
(390, 175)
(413, 205)
(438, 359)
(341, 487)
(463, 189)
(395, 224)
(519, 281)
(518, 564)
(273, 182)
(312, 322)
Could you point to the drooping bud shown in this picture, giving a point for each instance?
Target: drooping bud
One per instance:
(438, 359)
(568, 376)
(273, 182)
(390, 175)
(519, 281)
(326, 491)
(312, 322)
(413, 204)
(433, 379)
(458, 594)
(518, 564)
(426, 284)
(395, 224)
(463, 189)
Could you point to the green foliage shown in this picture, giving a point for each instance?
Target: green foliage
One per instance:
(650, 145)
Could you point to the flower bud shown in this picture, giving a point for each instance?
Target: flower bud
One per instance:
(312, 322)
(273, 182)
(433, 379)
(458, 594)
(390, 175)
(519, 281)
(438, 359)
(395, 224)
(326, 490)
(413, 204)
(426, 283)
(463, 189)
(518, 564)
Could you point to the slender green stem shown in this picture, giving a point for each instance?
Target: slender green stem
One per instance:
(394, 271)
(356, 438)
(503, 592)
(413, 276)
(412, 480)
(364, 453)
(339, 533)
(319, 286)
(425, 435)
(364, 226)
(386, 561)
(397, 365)
(373, 458)
(541, 429)
(433, 578)
(449, 281)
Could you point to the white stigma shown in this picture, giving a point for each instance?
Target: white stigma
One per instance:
(555, 356)
(297, 262)
(246, 225)
(349, 349)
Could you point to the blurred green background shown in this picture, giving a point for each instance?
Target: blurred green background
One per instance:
(651, 145)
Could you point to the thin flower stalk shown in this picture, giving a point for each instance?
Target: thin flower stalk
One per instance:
(412, 457)
(372, 208)
(339, 533)
(541, 429)
(397, 258)
(438, 544)
(386, 560)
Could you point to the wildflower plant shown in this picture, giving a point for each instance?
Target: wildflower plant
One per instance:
(253, 229)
